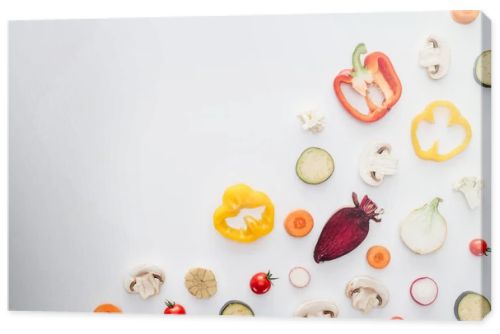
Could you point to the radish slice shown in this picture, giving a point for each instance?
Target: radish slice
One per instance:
(424, 291)
(299, 277)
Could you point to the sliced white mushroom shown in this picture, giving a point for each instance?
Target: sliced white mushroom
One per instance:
(317, 309)
(435, 57)
(312, 120)
(145, 280)
(470, 187)
(377, 161)
(367, 293)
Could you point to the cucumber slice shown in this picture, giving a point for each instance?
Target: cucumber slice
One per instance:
(471, 306)
(236, 307)
(482, 69)
(315, 165)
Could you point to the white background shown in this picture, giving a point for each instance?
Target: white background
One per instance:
(124, 134)
(290, 204)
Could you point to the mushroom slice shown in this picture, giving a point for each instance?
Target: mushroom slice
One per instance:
(367, 293)
(375, 162)
(317, 309)
(145, 280)
(470, 187)
(435, 57)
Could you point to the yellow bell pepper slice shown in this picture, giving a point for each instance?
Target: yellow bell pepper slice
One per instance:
(236, 198)
(455, 118)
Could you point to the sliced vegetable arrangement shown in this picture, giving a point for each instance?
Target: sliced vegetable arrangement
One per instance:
(424, 291)
(378, 71)
(236, 307)
(145, 280)
(314, 165)
(424, 230)
(465, 16)
(299, 223)
(317, 309)
(236, 198)
(346, 229)
(312, 121)
(378, 257)
(455, 118)
(376, 162)
(435, 57)
(471, 188)
(366, 293)
(299, 277)
(482, 69)
(201, 283)
(471, 306)
(107, 308)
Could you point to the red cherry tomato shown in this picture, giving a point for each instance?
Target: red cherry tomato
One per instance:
(397, 317)
(260, 283)
(173, 308)
(479, 247)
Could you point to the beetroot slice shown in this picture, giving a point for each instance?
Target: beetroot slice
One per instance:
(345, 230)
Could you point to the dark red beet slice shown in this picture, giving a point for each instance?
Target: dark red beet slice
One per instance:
(345, 230)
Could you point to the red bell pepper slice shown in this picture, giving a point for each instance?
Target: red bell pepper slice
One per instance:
(377, 70)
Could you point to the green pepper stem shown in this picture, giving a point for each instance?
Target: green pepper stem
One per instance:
(356, 57)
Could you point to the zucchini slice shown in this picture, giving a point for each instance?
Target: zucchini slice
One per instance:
(471, 306)
(482, 69)
(314, 165)
(236, 307)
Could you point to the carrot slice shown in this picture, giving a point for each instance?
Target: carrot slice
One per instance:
(299, 223)
(107, 308)
(464, 16)
(378, 257)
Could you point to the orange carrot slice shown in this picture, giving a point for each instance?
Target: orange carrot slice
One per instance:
(378, 257)
(464, 16)
(107, 308)
(299, 223)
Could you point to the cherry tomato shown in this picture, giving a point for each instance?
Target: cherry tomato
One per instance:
(260, 283)
(397, 317)
(173, 308)
(479, 247)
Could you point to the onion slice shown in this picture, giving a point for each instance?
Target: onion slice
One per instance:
(424, 291)
(424, 230)
(299, 277)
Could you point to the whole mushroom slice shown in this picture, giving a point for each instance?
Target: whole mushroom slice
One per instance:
(367, 293)
(435, 57)
(145, 280)
(377, 161)
(317, 309)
